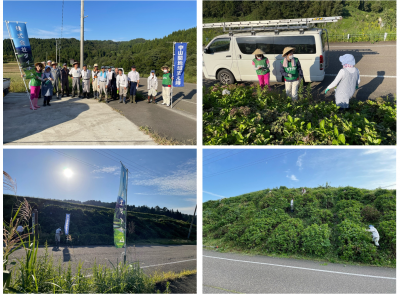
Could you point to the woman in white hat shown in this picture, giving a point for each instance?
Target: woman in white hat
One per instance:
(347, 81)
(291, 71)
(261, 65)
(47, 86)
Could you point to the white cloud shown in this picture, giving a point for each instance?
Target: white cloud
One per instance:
(292, 177)
(213, 194)
(194, 199)
(108, 169)
(371, 151)
(98, 177)
(299, 162)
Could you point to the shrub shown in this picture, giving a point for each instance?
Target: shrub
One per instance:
(316, 239)
(385, 202)
(343, 204)
(387, 234)
(350, 213)
(350, 193)
(370, 214)
(321, 216)
(286, 237)
(275, 201)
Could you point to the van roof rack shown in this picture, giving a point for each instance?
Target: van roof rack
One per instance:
(300, 24)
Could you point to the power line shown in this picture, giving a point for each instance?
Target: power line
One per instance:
(74, 158)
(388, 186)
(225, 157)
(210, 153)
(216, 155)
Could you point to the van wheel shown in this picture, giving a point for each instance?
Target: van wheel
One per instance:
(226, 77)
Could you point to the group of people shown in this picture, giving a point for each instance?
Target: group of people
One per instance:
(345, 83)
(47, 80)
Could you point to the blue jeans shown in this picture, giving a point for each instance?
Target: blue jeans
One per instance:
(132, 89)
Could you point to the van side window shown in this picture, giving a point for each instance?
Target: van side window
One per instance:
(220, 45)
(248, 45)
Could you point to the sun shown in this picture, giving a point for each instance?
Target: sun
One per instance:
(68, 173)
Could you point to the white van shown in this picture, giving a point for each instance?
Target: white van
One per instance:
(228, 58)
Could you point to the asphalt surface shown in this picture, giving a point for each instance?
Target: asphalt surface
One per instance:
(151, 258)
(178, 123)
(234, 273)
(376, 62)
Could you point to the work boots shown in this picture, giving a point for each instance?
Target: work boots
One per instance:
(133, 98)
(148, 99)
(154, 100)
(48, 101)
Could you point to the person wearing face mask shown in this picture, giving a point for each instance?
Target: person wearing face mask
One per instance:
(347, 81)
(166, 85)
(261, 65)
(47, 86)
(152, 85)
(133, 78)
(291, 71)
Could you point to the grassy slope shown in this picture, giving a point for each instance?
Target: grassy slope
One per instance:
(92, 225)
(261, 223)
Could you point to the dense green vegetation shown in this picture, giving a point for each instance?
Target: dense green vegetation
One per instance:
(93, 225)
(327, 223)
(359, 17)
(250, 116)
(145, 54)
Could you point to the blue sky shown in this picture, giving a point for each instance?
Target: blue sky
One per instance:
(163, 177)
(108, 20)
(294, 168)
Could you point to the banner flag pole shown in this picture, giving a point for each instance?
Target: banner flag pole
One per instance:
(190, 230)
(173, 62)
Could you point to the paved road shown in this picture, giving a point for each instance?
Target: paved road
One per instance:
(151, 258)
(376, 62)
(69, 121)
(234, 273)
(178, 123)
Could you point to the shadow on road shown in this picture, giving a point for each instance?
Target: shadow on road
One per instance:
(66, 254)
(370, 87)
(182, 94)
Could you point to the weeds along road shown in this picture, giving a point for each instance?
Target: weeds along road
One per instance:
(151, 258)
(376, 62)
(234, 273)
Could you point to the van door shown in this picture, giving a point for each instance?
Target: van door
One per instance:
(217, 55)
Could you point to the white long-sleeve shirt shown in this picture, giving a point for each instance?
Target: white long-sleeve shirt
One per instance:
(95, 74)
(103, 77)
(374, 232)
(133, 76)
(75, 73)
(110, 75)
(341, 74)
(86, 74)
(291, 203)
(122, 81)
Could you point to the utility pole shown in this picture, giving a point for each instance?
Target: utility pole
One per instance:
(82, 30)
(192, 221)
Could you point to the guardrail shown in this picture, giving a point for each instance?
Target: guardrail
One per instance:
(362, 37)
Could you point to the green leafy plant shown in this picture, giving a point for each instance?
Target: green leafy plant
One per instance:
(316, 239)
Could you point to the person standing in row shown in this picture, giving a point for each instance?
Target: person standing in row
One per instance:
(47, 85)
(122, 84)
(76, 74)
(115, 85)
(85, 81)
(64, 80)
(103, 82)
(55, 71)
(110, 76)
(166, 85)
(261, 65)
(291, 71)
(133, 78)
(34, 85)
(152, 84)
(95, 80)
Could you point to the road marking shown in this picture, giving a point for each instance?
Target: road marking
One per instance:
(167, 263)
(303, 268)
(361, 46)
(366, 76)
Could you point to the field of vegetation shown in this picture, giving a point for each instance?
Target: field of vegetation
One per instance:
(250, 116)
(93, 225)
(327, 224)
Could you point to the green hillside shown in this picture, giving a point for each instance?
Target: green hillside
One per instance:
(93, 225)
(328, 223)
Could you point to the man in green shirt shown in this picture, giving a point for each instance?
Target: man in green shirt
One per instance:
(291, 72)
(166, 85)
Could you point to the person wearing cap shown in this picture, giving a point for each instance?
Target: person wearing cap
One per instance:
(64, 80)
(347, 81)
(103, 82)
(166, 85)
(133, 78)
(115, 85)
(47, 85)
(95, 80)
(49, 62)
(111, 77)
(375, 234)
(35, 85)
(152, 84)
(261, 65)
(55, 71)
(76, 74)
(291, 72)
(122, 84)
(85, 81)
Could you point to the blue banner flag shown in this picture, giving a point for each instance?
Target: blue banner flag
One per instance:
(120, 210)
(66, 226)
(179, 64)
(22, 46)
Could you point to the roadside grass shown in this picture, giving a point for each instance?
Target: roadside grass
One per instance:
(163, 140)
(158, 277)
(166, 242)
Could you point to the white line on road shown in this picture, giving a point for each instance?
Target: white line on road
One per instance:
(366, 76)
(344, 46)
(303, 268)
(167, 263)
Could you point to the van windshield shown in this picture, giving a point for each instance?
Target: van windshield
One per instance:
(219, 45)
(276, 44)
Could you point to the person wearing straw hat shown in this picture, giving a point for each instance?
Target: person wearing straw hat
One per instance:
(95, 80)
(34, 85)
(347, 81)
(152, 84)
(85, 81)
(133, 78)
(47, 85)
(166, 85)
(103, 82)
(291, 71)
(261, 65)
(55, 71)
(64, 80)
(76, 74)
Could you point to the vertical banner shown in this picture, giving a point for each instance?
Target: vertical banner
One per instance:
(66, 226)
(22, 46)
(179, 64)
(120, 211)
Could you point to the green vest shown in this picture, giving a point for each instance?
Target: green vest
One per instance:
(263, 63)
(166, 79)
(291, 70)
(36, 82)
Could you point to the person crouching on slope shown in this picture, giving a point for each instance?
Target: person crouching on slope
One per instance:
(348, 79)
(261, 65)
(166, 85)
(375, 234)
(152, 85)
(291, 71)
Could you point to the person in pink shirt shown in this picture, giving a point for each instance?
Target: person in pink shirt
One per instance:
(261, 65)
